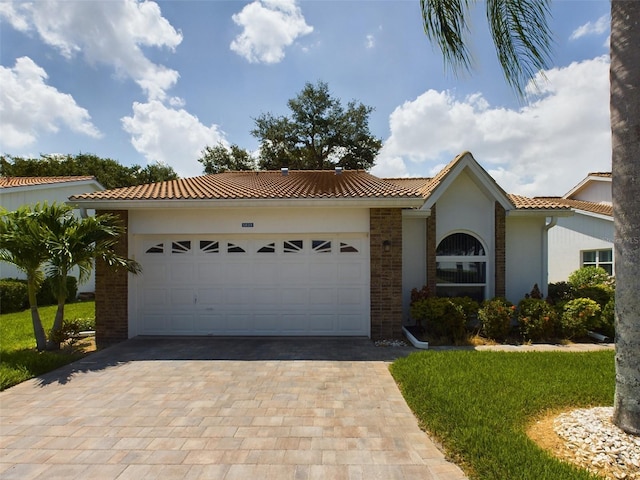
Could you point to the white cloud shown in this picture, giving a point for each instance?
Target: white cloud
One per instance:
(268, 27)
(110, 33)
(370, 41)
(28, 106)
(598, 27)
(543, 148)
(170, 136)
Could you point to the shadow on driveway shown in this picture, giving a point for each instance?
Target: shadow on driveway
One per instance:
(352, 349)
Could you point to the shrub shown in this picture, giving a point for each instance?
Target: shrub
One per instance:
(13, 295)
(45, 295)
(607, 319)
(579, 316)
(495, 318)
(422, 294)
(589, 277)
(71, 328)
(536, 319)
(560, 292)
(601, 294)
(443, 317)
(535, 292)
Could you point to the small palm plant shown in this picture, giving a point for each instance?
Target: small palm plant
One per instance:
(22, 244)
(53, 238)
(76, 242)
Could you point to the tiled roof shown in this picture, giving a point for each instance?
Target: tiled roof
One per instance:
(9, 182)
(420, 184)
(600, 174)
(593, 207)
(537, 203)
(262, 185)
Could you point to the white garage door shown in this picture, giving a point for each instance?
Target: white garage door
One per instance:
(216, 285)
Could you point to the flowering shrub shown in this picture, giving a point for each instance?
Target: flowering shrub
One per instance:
(579, 316)
(536, 319)
(495, 318)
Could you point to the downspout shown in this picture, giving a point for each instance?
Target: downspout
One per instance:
(544, 283)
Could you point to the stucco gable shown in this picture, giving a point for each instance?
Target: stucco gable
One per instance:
(465, 163)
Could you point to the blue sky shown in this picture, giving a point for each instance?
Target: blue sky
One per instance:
(158, 81)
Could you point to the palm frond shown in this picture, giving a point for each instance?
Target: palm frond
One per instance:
(522, 38)
(444, 24)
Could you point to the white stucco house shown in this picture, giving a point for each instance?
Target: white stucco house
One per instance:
(586, 238)
(313, 252)
(19, 191)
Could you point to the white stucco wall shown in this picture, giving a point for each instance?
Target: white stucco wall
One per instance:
(570, 237)
(13, 198)
(524, 257)
(414, 259)
(264, 221)
(465, 208)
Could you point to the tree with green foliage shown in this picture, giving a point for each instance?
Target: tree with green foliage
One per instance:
(76, 242)
(21, 243)
(319, 134)
(53, 238)
(220, 159)
(107, 171)
(522, 38)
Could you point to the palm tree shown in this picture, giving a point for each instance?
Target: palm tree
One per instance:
(522, 38)
(75, 242)
(22, 244)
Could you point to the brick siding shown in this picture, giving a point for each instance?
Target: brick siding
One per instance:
(386, 273)
(112, 293)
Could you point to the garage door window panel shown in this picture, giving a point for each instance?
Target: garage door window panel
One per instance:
(209, 246)
(182, 246)
(292, 246)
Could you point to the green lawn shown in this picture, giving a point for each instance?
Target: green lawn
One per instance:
(478, 404)
(19, 359)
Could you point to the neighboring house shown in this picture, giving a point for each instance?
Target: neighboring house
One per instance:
(586, 238)
(18, 191)
(313, 252)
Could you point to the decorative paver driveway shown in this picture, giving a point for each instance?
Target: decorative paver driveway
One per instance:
(219, 409)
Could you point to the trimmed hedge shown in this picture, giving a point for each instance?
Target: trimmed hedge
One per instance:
(13, 295)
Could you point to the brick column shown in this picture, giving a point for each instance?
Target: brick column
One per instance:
(386, 273)
(112, 293)
(431, 251)
(499, 261)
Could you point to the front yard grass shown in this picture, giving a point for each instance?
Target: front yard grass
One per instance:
(19, 359)
(478, 404)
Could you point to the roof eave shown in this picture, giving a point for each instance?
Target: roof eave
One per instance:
(540, 212)
(367, 202)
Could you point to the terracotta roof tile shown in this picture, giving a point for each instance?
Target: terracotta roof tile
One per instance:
(262, 185)
(536, 203)
(420, 184)
(600, 174)
(10, 182)
(593, 207)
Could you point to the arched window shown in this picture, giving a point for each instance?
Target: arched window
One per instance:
(461, 267)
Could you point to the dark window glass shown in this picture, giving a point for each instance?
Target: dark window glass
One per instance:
(460, 244)
(209, 246)
(461, 272)
(181, 247)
